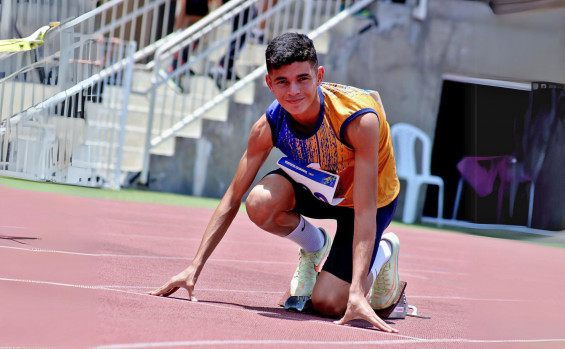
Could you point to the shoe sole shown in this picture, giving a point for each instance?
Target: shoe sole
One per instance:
(172, 84)
(388, 299)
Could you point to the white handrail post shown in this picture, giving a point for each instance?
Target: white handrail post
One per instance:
(307, 18)
(7, 18)
(144, 176)
(66, 39)
(127, 77)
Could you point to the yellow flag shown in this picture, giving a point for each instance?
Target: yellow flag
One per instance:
(28, 43)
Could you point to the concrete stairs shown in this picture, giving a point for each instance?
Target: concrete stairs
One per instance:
(96, 133)
(251, 56)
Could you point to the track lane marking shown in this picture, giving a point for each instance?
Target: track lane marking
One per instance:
(325, 343)
(196, 303)
(41, 250)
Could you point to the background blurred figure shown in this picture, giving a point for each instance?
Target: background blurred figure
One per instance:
(190, 12)
(256, 35)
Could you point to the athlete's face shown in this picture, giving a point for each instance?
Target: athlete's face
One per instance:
(296, 88)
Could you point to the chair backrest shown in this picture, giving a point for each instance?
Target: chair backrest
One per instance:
(404, 141)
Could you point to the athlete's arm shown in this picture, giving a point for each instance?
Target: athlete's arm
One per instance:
(259, 146)
(363, 135)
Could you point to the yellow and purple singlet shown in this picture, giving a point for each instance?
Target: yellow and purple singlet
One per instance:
(326, 144)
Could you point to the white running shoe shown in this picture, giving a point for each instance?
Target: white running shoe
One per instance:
(305, 276)
(387, 284)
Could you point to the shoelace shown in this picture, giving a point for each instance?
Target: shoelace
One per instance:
(306, 266)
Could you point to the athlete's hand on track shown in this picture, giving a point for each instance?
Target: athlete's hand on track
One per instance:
(185, 279)
(358, 308)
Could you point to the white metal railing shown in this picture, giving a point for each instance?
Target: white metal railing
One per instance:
(59, 118)
(147, 22)
(203, 85)
(19, 18)
(73, 132)
(208, 75)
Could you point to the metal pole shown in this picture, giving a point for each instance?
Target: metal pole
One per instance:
(306, 19)
(144, 176)
(127, 77)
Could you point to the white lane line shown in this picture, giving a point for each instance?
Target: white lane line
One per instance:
(236, 261)
(197, 239)
(433, 271)
(197, 289)
(33, 249)
(410, 256)
(51, 283)
(196, 303)
(141, 256)
(126, 287)
(471, 298)
(149, 223)
(324, 343)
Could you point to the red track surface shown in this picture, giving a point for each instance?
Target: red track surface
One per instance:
(84, 284)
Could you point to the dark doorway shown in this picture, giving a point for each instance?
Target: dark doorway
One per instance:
(476, 120)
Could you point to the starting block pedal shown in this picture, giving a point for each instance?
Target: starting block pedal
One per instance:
(400, 308)
(301, 304)
(414, 313)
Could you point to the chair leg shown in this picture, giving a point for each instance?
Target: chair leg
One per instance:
(457, 199)
(440, 205)
(410, 203)
(531, 203)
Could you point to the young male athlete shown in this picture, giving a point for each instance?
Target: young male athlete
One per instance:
(342, 130)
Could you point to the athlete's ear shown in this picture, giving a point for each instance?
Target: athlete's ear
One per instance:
(321, 72)
(269, 82)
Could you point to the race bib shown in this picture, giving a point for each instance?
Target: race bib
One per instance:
(320, 183)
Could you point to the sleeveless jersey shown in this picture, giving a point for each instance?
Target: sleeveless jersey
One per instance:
(326, 144)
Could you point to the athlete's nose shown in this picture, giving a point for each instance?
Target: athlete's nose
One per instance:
(294, 88)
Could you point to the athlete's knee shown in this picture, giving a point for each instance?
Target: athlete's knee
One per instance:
(328, 303)
(260, 207)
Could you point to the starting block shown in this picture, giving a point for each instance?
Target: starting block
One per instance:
(399, 307)
(398, 310)
(301, 304)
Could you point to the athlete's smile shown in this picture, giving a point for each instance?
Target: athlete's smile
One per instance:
(295, 100)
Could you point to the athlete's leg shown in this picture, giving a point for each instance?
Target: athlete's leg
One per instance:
(330, 295)
(331, 292)
(269, 205)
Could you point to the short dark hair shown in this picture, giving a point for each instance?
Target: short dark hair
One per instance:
(288, 48)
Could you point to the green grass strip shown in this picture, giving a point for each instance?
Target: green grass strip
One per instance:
(124, 194)
(558, 240)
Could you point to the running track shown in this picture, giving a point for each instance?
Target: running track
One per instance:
(83, 283)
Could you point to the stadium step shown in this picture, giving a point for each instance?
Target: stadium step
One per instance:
(19, 96)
